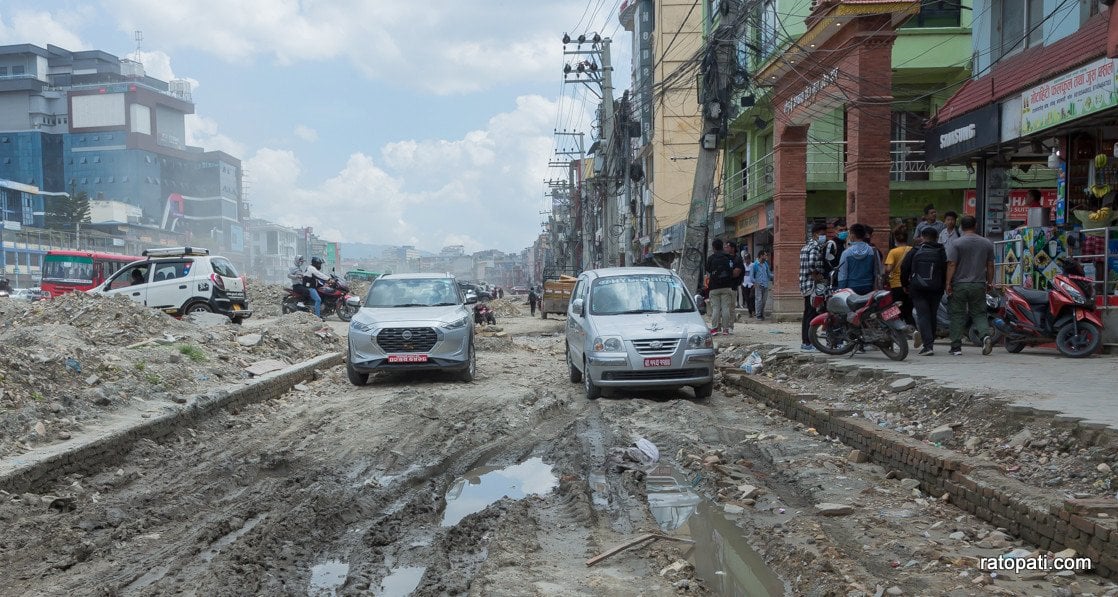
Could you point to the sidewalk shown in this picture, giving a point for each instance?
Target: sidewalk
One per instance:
(1037, 378)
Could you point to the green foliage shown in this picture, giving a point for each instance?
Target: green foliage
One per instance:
(65, 212)
(192, 352)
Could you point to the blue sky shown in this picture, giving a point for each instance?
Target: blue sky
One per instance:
(381, 121)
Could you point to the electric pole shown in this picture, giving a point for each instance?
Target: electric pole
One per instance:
(714, 95)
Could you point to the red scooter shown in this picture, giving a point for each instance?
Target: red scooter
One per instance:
(854, 321)
(1064, 314)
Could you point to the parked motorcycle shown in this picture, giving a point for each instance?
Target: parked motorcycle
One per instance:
(943, 321)
(853, 321)
(484, 315)
(335, 299)
(1065, 313)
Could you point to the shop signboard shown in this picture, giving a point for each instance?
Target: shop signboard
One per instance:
(963, 136)
(749, 222)
(1017, 208)
(1074, 94)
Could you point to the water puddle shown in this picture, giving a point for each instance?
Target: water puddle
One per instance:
(721, 555)
(401, 581)
(475, 490)
(225, 541)
(327, 577)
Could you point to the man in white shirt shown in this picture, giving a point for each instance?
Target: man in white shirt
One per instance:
(950, 232)
(314, 278)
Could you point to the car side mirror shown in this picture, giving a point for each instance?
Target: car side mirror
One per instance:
(578, 306)
(470, 300)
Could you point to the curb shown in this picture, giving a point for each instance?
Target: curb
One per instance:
(43, 465)
(976, 486)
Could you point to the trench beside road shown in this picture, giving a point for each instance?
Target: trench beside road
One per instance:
(400, 487)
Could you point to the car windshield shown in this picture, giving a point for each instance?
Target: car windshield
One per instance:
(65, 268)
(643, 293)
(412, 292)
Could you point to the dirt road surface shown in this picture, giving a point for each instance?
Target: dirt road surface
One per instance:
(397, 488)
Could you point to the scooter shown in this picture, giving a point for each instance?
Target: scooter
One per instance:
(1065, 314)
(853, 321)
(943, 321)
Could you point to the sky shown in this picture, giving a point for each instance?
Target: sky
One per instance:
(378, 121)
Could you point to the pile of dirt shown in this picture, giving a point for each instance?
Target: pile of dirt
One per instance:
(265, 298)
(1035, 449)
(506, 307)
(69, 361)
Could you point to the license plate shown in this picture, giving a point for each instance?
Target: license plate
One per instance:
(407, 358)
(658, 362)
(891, 313)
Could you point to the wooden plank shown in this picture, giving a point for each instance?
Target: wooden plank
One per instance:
(632, 543)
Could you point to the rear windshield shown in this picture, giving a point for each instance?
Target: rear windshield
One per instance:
(413, 292)
(223, 267)
(642, 293)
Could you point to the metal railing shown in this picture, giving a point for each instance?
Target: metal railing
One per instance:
(1094, 246)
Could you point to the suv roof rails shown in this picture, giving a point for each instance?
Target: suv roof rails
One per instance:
(175, 252)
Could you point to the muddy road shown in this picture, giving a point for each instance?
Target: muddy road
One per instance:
(398, 488)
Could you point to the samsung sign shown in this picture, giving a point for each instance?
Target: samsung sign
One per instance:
(964, 136)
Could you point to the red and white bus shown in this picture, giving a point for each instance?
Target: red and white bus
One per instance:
(68, 271)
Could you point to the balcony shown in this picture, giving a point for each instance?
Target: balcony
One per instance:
(826, 167)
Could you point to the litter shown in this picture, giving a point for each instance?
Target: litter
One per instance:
(641, 455)
(632, 543)
(752, 364)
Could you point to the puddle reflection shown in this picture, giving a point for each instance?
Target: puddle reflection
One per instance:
(401, 581)
(475, 490)
(328, 576)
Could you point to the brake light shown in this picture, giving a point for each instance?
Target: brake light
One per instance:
(218, 282)
(244, 282)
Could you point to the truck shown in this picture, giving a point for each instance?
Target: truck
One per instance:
(556, 295)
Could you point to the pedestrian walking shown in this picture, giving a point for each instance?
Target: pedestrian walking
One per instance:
(720, 276)
(859, 268)
(811, 275)
(893, 272)
(924, 276)
(970, 273)
(533, 298)
(762, 281)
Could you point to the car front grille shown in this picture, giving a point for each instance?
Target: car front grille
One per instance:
(657, 374)
(656, 346)
(396, 340)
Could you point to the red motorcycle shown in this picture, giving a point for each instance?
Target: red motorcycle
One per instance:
(853, 321)
(1064, 314)
(484, 315)
(335, 299)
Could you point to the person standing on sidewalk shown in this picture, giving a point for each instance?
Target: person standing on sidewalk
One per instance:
(859, 268)
(811, 274)
(720, 268)
(929, 220)
(762, 279)
(732, 250)
(924, 276)
(950, 231)
(893, 271)
(970, 273)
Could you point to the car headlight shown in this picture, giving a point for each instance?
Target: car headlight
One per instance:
(361, 326)
(607, 344)
(456, 324)
(700, 341)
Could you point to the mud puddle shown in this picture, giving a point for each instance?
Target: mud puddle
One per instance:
(327, 577)
(723, 559)
(478, 488)
(401, 581)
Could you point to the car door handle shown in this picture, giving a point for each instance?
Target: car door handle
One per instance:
(135, 294)
(182, 287)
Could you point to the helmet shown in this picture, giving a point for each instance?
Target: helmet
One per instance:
(299, 261)
(317, 262)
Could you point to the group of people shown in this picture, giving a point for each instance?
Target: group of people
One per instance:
(942, 259)
(735, 280)
(307, 279)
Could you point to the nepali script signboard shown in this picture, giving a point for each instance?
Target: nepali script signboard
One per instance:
(1082, 91)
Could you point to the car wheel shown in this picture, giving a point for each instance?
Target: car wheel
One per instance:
(593, 392)
(704, 391)
(355, 377)
(576, 375)
(199, 308)
(238, 320)
(470, 372)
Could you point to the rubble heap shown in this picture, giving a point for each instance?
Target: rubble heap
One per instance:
(505, 307)
(68, 361)
(265, 298)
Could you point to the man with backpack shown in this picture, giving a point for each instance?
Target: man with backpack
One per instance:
(924, 277)
(859, 267)
(722, 271)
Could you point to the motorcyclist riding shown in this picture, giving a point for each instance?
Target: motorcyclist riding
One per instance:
(295, 274)
(314, 279)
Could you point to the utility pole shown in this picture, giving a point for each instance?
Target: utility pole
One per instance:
(714, 95)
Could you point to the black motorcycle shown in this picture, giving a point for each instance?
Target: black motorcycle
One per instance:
(943, 321)
(335, 299)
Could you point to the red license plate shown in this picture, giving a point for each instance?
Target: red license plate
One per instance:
(891, 313)
(407, 358)
(658, 362)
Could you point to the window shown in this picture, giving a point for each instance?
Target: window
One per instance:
(84, 160)
(769, 26)
(17, 70)
(936, 13)
(1017, 24)
(97, 180)
(112, 179)
(96, 159)
(130, 276)
(3, 71)
(170, 270)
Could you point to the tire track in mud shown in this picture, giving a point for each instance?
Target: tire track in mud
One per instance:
(249, 501)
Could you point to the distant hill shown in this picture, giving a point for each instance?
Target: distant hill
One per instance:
(368, 251)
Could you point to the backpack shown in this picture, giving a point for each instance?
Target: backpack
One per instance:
(928, 269)
(723, 267)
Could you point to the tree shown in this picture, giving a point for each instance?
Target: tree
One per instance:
(65, 212)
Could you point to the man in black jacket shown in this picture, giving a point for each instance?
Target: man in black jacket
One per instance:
(924, 277)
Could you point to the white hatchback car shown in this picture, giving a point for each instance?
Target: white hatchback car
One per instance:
(637, 327)
(182, 280)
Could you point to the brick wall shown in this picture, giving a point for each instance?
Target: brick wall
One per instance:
(95, 453)
(977, 486)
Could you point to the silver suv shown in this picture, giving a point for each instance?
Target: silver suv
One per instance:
(637, 327)
(412, 322)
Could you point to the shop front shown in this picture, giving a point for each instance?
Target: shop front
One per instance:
(753, 228)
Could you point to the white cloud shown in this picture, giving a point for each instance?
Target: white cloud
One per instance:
(482, 190)
(157, 64)
(440, 46)
(306, 133)
(203, 132)
(41, 28)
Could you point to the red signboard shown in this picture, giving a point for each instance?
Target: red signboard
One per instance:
(1018, 208)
